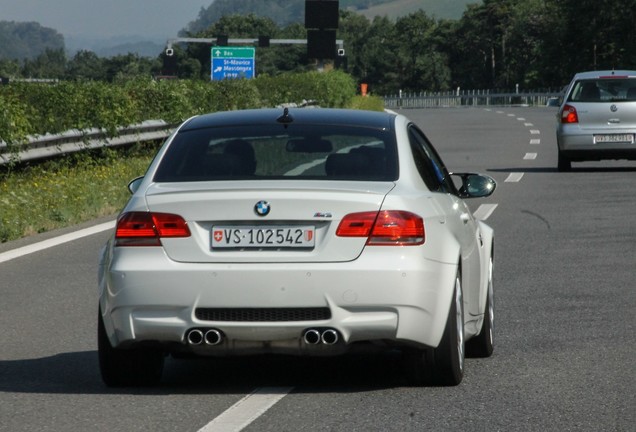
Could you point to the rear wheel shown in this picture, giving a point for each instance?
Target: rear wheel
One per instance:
(122, 368)
(482, 345)
(443, 365)
(564, 164)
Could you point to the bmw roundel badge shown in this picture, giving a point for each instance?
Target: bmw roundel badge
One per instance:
(262, 208)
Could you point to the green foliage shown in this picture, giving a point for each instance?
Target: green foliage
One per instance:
(14, 119)
(80, 187)
(28, 109)
(333, 89)
(369, 103)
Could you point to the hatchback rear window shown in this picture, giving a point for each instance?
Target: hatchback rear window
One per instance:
(315, 152)
(604, 90)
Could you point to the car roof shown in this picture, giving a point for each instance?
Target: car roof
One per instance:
(605, 74)
(327, 116)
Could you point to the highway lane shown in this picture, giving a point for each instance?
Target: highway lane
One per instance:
(565, 323)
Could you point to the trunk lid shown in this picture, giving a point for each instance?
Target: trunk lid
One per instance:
(299, 227)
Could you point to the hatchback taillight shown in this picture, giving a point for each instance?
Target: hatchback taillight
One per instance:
(569, 115)
(384, 228)
(146, 229)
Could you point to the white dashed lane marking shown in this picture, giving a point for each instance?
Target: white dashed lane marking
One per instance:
(530, 156)
(248, 409)
(484, 211)
(514, 177)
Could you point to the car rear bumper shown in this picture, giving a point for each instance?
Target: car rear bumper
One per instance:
(403, 300)
(578, 144)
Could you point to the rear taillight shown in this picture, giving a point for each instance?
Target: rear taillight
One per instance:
(569, 115)
(146, 229)
(385, 228)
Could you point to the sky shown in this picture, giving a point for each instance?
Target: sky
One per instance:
(103, 19)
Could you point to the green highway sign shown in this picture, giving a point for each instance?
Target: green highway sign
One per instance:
(232, 62)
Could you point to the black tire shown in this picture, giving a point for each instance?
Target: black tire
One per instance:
(482, 345)
(443, 365)
(127, 367)
(563, 164)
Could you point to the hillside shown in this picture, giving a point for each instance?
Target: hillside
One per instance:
(447, 9)
(20, 40)
(285, 12)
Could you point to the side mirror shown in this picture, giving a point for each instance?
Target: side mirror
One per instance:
(133, 186)
(475, 185)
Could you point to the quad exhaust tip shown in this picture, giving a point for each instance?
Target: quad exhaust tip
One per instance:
(209, 337)
(212, 337)
(195, 337)
(326, 336)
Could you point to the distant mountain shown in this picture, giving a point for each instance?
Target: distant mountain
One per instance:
(440, 9)
(116, 46)
(285, 12)
(282, 12)
(20, 40)
(27, 40)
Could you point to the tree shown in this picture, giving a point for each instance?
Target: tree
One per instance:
(86, 65)
(425, 66)
(9, 68)
(379, 62)
(534, 58)
(50, 64)
(353, 29)
(600, 32)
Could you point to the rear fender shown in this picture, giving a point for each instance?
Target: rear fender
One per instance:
(487, 251)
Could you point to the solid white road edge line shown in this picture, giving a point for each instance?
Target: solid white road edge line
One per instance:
(484, 211)
(36, 247)
(248, 409)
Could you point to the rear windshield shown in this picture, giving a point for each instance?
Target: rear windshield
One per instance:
(604, 90)
(315, 152)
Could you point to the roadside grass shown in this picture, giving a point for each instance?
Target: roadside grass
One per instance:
(43, 196)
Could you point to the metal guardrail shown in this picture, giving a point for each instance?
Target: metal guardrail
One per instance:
(46, 146)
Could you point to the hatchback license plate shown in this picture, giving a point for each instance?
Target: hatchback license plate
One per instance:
(263, 237)
(614, 138)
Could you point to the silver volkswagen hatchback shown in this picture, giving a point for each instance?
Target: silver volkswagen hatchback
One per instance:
(597, 119)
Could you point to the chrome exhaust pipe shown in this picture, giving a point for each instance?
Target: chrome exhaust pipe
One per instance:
(213, 337)
(195, 337)
(311, 337)
(329, 337)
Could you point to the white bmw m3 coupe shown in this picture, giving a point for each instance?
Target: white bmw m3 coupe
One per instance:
(306, 232)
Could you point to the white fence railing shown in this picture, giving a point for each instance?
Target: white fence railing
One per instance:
(469, 98)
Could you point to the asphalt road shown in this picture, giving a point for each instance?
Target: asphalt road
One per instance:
(565, 319)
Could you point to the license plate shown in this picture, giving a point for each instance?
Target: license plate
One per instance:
(614, 138)
(263, 237)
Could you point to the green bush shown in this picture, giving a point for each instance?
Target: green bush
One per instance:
(83, 186)
(29, 108)
(370, 103)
